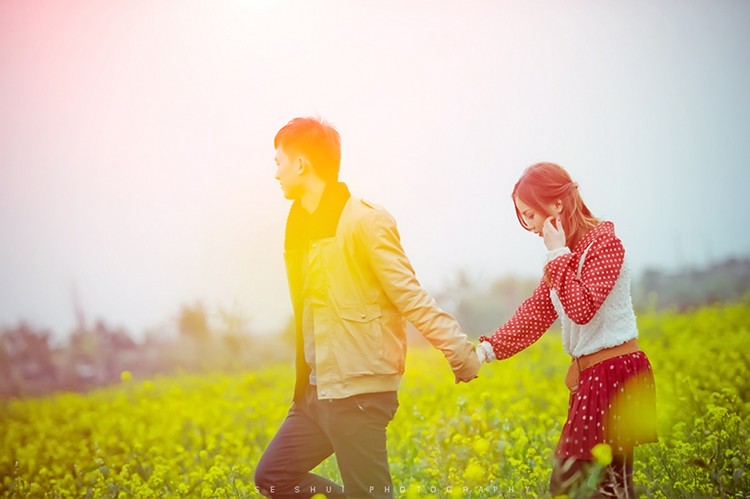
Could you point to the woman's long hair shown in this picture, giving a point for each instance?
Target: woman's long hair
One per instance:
(543, 184)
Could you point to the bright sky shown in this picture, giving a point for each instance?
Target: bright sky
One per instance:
(136, 139)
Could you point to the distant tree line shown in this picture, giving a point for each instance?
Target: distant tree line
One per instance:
(483, 310)
(98, 354)
(721, 282)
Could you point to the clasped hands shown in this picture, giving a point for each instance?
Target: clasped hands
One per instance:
(554, 238)
(483, 353)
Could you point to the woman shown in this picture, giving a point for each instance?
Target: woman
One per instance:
(586, 283)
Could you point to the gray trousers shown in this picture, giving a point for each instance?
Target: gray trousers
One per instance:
(354, 429)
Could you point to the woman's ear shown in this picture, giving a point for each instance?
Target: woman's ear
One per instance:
(557, 207)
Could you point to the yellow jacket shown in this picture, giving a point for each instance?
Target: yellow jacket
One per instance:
(365, 290)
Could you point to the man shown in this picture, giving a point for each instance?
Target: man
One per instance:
(352, 290)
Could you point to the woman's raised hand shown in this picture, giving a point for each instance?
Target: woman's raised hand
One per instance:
(554, 237)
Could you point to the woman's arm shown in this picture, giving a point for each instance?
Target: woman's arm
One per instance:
(582, 297)
(530, 321)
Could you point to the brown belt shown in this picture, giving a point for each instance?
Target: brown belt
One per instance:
(580, 364)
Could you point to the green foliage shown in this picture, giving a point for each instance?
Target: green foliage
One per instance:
(704, 402)
(190, 436)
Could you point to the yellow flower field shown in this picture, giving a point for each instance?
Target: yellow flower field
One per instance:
(200, 436)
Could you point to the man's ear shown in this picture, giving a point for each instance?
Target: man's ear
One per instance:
(302, 164)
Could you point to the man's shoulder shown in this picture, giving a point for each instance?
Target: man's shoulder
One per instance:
(369, 204)
(364, 206)
(364, 211)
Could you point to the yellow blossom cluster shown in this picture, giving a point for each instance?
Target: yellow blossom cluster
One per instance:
(201, 435)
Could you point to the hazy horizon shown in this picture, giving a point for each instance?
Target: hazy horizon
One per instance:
(136, 140)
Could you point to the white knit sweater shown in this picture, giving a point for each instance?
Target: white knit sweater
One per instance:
(613, 324)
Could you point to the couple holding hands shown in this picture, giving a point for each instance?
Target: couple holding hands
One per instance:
(353, 289)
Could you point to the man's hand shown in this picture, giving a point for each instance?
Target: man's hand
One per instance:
(465, 380)
(484, 354)
(470, 369)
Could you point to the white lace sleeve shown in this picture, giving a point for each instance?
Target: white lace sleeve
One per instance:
(485, 352)
(551, 255)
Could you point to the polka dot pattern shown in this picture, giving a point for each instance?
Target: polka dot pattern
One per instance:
(527, 325)
(581, 297)
(615, 403)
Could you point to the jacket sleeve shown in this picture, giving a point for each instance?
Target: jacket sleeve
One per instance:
(529, 322)
(386, 257)
(582, 297)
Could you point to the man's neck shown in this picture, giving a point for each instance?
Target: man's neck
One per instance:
(312, 196)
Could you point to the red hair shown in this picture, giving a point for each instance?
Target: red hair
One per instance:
(544, 184)
(317, 140)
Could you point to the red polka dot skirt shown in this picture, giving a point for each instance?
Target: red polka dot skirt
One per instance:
(615, 404)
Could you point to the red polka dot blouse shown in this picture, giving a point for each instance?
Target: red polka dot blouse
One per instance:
(589, 289)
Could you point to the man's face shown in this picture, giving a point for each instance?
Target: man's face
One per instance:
(288, 174)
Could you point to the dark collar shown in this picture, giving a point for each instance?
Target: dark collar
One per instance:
(303, 227)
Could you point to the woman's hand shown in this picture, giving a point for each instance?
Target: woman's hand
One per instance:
(554, 238)
(485, 352)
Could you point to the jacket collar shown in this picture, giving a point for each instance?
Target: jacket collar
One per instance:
(303, 227)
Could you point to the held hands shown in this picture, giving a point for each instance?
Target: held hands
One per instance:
(483, 353)
(465, 378)
(554, 237)
(470, 368)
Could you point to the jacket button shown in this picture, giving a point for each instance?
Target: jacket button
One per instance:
(363, 317)
(323, 394)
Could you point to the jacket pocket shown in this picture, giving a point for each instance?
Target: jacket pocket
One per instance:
(363, 315)
(361, 347)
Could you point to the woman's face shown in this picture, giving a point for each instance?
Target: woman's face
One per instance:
(533, 219)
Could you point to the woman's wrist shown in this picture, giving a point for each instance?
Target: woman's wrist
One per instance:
(485, 352)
